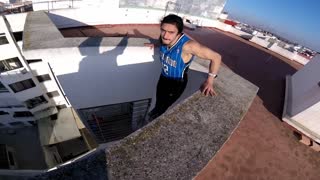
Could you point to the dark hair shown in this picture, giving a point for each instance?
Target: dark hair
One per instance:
(175, 20)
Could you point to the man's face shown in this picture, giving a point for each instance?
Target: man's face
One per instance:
(169, 34)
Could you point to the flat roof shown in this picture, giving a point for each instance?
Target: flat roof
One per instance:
(262, 145)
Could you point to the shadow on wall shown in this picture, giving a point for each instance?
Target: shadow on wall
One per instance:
(101, 81)
(260, 68)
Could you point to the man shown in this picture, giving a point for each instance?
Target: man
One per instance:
(176, 54)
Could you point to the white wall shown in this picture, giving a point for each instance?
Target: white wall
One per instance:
(300, 59)
(95, 76)
(281, 51)
(239, 32)
(305, 87)
(222, 26)
(309, 118)
(17, 21)
(260, 41)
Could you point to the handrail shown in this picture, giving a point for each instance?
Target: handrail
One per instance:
(48, 2)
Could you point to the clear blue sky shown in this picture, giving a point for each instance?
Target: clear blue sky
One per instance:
(296, 20)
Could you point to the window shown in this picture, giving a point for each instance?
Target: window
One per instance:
(17, 106)
(10, 64)
(17, 124)
(18, 36)
(31, 103)
(3, 113)
(54, 117)
(3, 39)
(22, 114)
(22, 85)
(2, 88)
(33, 60)
(34, 123)
(11, 161)
(53, 94)
(61, 106)
(42, 78)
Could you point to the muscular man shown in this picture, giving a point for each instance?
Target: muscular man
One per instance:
(176, 54)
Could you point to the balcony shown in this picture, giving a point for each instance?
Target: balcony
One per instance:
(45, 113)
(15, 75)
(39, 68)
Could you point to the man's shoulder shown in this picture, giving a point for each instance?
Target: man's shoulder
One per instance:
(190, 45)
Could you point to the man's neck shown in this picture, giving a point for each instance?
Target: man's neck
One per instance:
(173, 43)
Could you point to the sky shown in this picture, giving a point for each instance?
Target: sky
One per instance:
(295, 20)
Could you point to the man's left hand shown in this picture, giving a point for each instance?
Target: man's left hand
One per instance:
(207, 88)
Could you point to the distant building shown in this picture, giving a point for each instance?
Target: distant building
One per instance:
(302, 101)
(2, 7)
(223, 16)
(230, 22)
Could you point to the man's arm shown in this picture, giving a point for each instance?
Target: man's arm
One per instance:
(194, 48)
(153, 43)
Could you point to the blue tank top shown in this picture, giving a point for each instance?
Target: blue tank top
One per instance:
(172, 63)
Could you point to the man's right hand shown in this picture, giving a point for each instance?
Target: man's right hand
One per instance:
(207, 88)
(151, 45)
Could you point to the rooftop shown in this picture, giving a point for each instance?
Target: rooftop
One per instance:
(261, 146)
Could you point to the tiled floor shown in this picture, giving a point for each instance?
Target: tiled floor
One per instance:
(262, 147)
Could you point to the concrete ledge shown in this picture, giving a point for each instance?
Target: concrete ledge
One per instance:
(41, 33)
(178, 144)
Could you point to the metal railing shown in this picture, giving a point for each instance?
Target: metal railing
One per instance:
(57, 4)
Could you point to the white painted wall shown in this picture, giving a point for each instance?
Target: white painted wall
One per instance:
(260, 41)
(222, 26)
(300, 59)
(96, 76)
(305, 87)
(281, 51)
(239, 32)
(310, 118)
(17, 21)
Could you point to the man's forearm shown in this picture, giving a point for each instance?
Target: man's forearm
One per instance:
(214, 68)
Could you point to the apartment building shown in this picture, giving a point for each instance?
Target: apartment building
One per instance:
(28, 90)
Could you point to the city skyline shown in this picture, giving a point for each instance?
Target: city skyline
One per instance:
(292, 19)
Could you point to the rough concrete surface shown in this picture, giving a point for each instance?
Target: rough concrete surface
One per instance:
(179, 143)
(262, 147)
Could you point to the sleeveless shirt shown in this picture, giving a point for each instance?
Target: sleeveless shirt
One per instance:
(173, 65)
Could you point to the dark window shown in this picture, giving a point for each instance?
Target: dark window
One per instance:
(17, 124)
(53, 94)
(18, 36)
(31, 103)
(11, 161)
(17, 106)
(54, 117)
(22, 85)
(10, 64)
(34, 123)
(61, 106)
(5, 106)
(3, 113)
(2, 88)
(55, 157)
(42, 78)
(34, 60)
(3, 39)
(22, 114)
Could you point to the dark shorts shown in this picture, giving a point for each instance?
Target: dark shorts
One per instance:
(168, 91)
